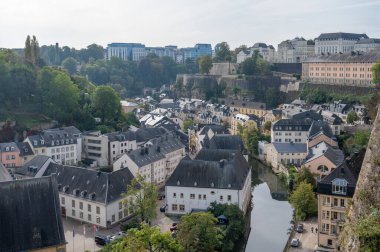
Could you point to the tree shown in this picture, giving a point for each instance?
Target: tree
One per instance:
(198, 232)
(305, 175)
(222, 52)
(141, 198)
(147, 239)
(251, 137)
(267, 125)
(205, 64)
(187, 124)
(28, 50)
(106, 103)
(303, 200)
(352, 117)
(236, 90)
(70, 64)
(376, 73)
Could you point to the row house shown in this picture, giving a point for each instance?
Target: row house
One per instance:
(15, 154)
(221, 176)
(63, 145)
(266, 51)
(291, 131)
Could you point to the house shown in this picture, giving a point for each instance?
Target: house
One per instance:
(91, 196)
(221, 176)
(10, 155)
(201, 133)
(34, 168)
(334, 193)
(241, 120)
(291, 131)
(320, 131)
(322, 159)
(128, 107)
(63, 145)
(278, 154)
(295, 51)
(227, 142)
(155, 161)
(30, 216)
(246, 107)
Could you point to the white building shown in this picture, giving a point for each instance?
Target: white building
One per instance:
(338, 42)
(286, 154)
(221, 176)
(267, 52)
(295, 51)
(63, 145)
(367, 45)
(290, 131)
(156, 161)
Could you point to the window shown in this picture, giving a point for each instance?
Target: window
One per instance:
(125, 212)
(181, 195)
(192, 196)
(73, 203)
(120, 215)
(174, 207)
(342, 203)
(89, 217)
(339, 186)
(89, 207)
(113, 218)
(221, 197)
(204, 196)
(229, 197)
(335, 202)
(81, 215)
(80, 205)
(326, 201)
(325, 227)
(63, 200)
(97, 210)
(174, 195)
(73, 212)
(98, 220)
(329, 242)
(120, 205)
(199, 196)
(182, 208)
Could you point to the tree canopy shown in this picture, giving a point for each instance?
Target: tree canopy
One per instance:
(303, 200)
(205, 64)
(223, 53)
(106, 103)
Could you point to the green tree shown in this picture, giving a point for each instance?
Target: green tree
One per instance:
(141, 198)
(223, 53)
(236, 90)
(187, 124)
(205, 64)
(303, 200)
(305, 175)
(147, 239)
(28, 50)
(267, 125)
(376, 73)
(197, 232)
(70, 64)
(352, 117)
(106, 103)
(251, 137)
(367, 228)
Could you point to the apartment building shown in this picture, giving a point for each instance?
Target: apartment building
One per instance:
(291, 131)
(352, 68)
(337, 42)
(295, 51)
(334, 193)
(284, 154)
(247, 107)
(266, 51)
(241, 120)
(63, 145)
(367, 45)
(221, 176)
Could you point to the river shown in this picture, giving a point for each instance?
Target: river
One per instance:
(271, 213)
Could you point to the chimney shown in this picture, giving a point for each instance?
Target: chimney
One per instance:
(146, 150)
(142, 151)
(158, 149)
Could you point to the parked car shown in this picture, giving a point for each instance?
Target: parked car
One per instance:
(299, 228)
(101, 240)
(163, 208)
(121, 233)
(295, 242)
(111, 237)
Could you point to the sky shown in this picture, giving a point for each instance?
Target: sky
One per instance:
(78, 23)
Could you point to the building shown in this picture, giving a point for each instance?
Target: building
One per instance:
(323, 159)
(352, 68)
(5, 174)
(284, 154)
(320, 131)
(241, 120)
(334, 193)
(15, 154)
(291, 130)
(34, 168)
(221, 176)
(155, 161)
(200, 134)
(367, 45)
(247, 107)
(63, 145)
(338, 42)
(30, 216)
(295, 51)
(91, 196)
(95, 148)
(128, 107)
(126, 51)
(267, 52)
(192, 53)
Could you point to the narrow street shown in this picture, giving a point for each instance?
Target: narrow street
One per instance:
(308, 239)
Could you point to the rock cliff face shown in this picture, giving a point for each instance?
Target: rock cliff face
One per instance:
(367, 193)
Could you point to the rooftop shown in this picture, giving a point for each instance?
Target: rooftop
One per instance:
(290, 147)
(354, 57)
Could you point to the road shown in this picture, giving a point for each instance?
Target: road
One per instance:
(307, 238)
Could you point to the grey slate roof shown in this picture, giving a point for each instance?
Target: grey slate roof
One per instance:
(292, 125)
(145, 134)
(217, 129)
(257, 45)
(30, 216)
(369, 41)
(290, 147)
(246, 104)
(335, 155)
(320, 127)
(56, 137)
(4, 147)
(90, 184)
(308, 114)
(157, 151)
(219, 169)
(31, 168)
(342, 35)
(362, 57)
(226, 142)
(121, 136)
(4, 174)
(25, 149)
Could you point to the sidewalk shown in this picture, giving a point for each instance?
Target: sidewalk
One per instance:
(308, 240)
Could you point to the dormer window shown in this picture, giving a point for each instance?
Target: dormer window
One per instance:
(339, 186)
(42, 142)
(35, 143)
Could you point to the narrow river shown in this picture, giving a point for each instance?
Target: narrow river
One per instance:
(271, 213)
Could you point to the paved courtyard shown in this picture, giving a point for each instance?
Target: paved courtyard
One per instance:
(162, 221)
(308, 239)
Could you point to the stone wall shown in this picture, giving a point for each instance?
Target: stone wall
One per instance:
(367, 193)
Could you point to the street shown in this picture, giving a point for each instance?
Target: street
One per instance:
(308, 240)
(162, 221)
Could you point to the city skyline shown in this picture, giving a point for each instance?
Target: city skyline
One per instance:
(181, 23)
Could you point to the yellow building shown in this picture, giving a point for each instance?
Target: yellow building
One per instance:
(247, 107)
(341, 69)
(251, 121)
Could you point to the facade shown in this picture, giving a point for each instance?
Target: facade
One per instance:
(338, 42)
(63, 145)
(283, 154)
(334, 192)
(244, 121)
(247, 107)
(199, 135)
(30, 216)
(128, 107)
(156, 161)
(295, 51)
(15, 154)
(221, 176)
(367, 45)
(192, 53)
(95, 147)
(352, 68)
(125, 51)
(90, 196)
(291, 131)
(267, 52)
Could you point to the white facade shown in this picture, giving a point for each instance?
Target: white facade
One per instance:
(337, 42)
(95, 146)
(294, 136)
(182, 200)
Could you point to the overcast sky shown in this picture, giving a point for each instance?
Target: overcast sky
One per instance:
(78, 23)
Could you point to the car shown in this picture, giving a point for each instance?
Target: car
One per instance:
(299, 228)
(111, 237)
(121, 233)
(101, 240)
(295, 242)
(163, 209)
